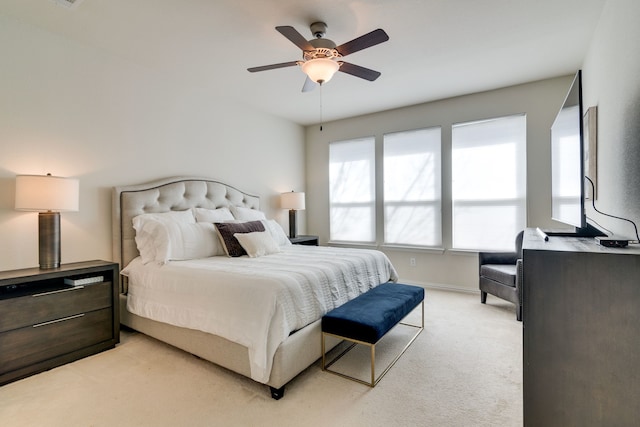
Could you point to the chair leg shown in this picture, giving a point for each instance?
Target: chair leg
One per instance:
(519, 313)
(483, 297)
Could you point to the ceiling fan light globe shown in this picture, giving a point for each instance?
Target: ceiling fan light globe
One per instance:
(320, 70)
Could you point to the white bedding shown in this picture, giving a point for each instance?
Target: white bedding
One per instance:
(256, 302)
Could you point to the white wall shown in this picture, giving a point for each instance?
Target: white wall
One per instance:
(611, 81)
(73, 110)
(539, 100)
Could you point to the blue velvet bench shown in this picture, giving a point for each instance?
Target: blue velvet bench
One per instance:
(367, 318)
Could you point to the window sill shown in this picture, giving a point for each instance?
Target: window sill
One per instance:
(363, 245)
(403, 248)
(399, 248)
(463, 252)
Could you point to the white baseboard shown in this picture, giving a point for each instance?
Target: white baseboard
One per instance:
(443, 287)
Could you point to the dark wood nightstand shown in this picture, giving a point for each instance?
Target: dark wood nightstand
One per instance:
(304, 240)
(52, 317)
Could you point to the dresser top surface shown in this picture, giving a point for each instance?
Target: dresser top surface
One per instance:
(43, 274)
(533, 241)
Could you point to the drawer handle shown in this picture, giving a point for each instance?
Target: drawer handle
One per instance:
(75, 288)
(58, 320)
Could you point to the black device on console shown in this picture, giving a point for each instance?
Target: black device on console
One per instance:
(612, 242)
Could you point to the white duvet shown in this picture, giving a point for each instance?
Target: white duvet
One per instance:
(256, 302)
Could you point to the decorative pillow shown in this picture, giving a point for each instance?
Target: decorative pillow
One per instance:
(226, 231)
(213, 215)
(276, 231)
(147, 228)
(246, 214)
(257, 243)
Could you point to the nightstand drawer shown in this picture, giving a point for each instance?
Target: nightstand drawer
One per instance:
(46, 306)
(25, 346)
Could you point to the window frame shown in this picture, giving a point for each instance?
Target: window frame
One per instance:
(371, 204)
(518, 202)
(434, 202)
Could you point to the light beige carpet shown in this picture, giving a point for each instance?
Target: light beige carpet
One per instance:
(465, 369)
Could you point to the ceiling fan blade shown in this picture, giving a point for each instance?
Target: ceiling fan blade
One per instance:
(309, 85)
(358, 71)
(370, 39)
(272, 66)
(295, 37)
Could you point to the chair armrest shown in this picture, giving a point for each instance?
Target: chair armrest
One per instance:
(497, 258)
(519, 274)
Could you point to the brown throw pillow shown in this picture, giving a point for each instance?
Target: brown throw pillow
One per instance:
(226, 230)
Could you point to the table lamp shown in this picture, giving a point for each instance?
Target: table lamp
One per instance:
(48, 195)
(294, 201)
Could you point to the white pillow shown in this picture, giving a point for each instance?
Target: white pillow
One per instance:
(276, 231)
(180, 216)
(213, 215)
(190, 241)
(147, 227)
(175, 241)
(257, 243)
(148, 245)
(246, 214)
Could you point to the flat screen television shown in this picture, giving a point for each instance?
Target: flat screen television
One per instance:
(567, 165)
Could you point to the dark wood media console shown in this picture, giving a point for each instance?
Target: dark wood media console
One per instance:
(581, 325)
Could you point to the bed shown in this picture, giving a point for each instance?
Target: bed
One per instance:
(269, 329)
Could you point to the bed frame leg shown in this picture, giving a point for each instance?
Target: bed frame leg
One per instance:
(277, 393)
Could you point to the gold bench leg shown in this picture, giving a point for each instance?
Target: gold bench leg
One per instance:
(373, 365)
(323, 351)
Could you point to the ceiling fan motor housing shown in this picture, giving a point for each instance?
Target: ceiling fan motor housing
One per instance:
(322, 43)
(324, 47)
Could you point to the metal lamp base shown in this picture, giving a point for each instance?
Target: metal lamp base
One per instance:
(292, 223)
(49, 239)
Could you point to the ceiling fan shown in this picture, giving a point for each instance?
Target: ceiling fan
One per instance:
(322, 58)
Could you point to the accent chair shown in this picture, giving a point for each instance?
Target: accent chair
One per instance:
(501, 275)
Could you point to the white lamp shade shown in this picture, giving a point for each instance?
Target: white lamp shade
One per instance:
(46, 193)
(292, 201)
(320, 69)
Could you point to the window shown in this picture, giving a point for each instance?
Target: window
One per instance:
(488, 182)
(412, 202)
(352, 190)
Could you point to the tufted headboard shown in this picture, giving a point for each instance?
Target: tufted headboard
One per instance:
(164, 195)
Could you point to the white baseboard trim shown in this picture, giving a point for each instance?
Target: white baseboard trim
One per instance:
(443, 287)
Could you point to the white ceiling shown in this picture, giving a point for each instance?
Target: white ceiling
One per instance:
(437, 48)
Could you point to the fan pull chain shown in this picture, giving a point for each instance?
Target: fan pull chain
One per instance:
(320, 106)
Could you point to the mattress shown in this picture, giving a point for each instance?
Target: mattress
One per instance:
(255, 302)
